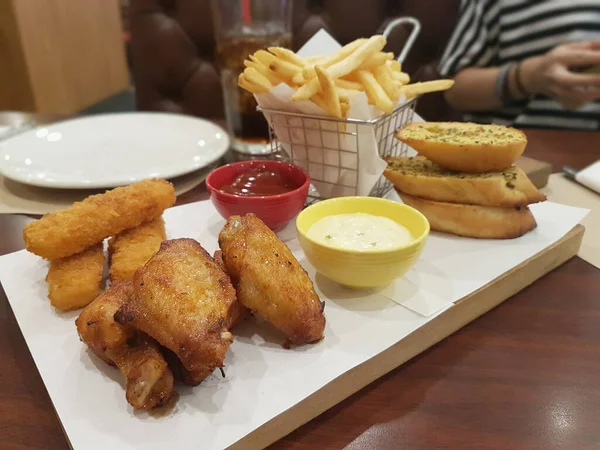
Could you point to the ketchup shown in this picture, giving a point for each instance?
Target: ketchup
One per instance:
(259, 181)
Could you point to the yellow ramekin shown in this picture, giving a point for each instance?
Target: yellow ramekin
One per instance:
(367, 268)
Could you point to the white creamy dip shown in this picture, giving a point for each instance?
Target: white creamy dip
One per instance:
(359, 231)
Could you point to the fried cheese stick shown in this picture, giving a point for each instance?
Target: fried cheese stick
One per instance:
(72, 230)
(132, 248)
(74, 281)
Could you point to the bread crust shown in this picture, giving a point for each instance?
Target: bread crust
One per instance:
(465, 147)
(421, 178)
(484, 222)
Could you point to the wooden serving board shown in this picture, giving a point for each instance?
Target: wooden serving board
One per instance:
(464, 311)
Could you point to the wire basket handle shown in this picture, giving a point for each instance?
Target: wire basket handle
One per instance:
(416, 29)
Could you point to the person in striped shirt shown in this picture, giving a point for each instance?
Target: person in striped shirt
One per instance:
(526, 63)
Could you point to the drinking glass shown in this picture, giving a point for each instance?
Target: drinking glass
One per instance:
(242, 27)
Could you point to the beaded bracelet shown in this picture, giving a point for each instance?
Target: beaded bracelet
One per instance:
(522, 90)
(501, 86)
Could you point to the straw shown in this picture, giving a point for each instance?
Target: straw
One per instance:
(246, 11)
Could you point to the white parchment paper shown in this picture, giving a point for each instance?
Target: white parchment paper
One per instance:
(263, 379)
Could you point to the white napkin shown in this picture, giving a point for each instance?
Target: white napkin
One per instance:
(4, 131)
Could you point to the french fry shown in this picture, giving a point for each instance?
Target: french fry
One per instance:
(377, 59)
(330, 81)
(307, 90)
(317, 99)
(329, 92)
(281, 67)
(273, 76)
(415, 89)
(402, 77)
(355, 59)
(394, 65)
(350, 77)
(298, 78)
(288, 56)
(345, 108)
(384, 76)
(313, 59)
(347, 94)
(264, 70)
(347, 84)
(255, 77)
(343, 67)
(309, 70)
(245, 84)
(284, 68)
(374, 91)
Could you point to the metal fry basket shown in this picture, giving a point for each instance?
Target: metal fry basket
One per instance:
(330, 149)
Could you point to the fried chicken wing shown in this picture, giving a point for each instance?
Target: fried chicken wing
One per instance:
(132, 248)
(138, 357)
(66, 232)
(183, 300)
(74, 281)
(269, 280)
(238, 312)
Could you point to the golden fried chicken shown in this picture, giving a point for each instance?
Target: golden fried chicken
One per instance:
(238, 312)
(138, 357)
(269, 280)
(183, 300)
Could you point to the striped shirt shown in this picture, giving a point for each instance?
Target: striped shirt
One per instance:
(492, 33)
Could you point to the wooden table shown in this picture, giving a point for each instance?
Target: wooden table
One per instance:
(523, 376)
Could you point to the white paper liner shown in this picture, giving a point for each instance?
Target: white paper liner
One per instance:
(263, 379)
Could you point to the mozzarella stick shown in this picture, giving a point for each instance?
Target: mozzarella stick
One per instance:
(132, 248)
(74, 281)
(72, 230)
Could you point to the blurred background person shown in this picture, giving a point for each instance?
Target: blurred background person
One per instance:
(526, 63)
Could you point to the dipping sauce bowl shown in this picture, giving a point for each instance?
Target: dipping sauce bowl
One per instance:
(275, 191)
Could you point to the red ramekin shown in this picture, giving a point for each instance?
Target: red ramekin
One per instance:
(274, 210)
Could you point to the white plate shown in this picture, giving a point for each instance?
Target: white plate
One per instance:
(111, 150)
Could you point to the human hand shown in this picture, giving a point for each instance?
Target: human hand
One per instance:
(550, 74)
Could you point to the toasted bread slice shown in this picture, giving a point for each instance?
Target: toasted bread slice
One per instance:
(422, 178)
(485, 222)
(465, 147)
